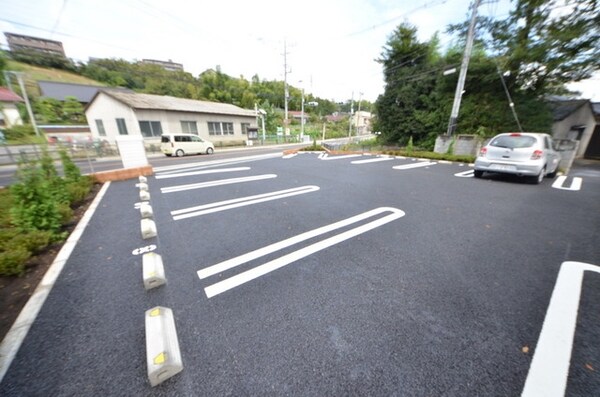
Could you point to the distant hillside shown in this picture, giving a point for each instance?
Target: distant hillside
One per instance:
(34, 73)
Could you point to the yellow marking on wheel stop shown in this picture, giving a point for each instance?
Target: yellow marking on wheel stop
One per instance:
(152, 274)
(160, 359)
(155, 312)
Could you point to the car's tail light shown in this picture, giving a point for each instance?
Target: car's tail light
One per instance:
(483, 152)
(515, 134)
(537, 154)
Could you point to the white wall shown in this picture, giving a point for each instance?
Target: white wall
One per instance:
(107, 109)
(171, 122)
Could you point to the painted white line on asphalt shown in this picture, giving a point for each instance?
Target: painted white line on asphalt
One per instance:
(550, 364)
(322, 155)
(289, 156)
(240, 202)
(465, 174)
(575, 185)
(166, 176)
(414, 165)
(219, 182)
(275, 264)
(375, 160)
(346, 156)
(14, 338)
(212, 163)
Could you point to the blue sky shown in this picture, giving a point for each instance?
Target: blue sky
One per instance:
(331, 44)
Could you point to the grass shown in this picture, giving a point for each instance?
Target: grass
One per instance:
(35, 73)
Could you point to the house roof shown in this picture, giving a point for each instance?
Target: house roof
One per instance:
(7, 95)
(561, 109)
(163, 102)
(83, 92)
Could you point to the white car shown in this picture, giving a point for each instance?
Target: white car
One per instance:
(182, 144)
(519, 153)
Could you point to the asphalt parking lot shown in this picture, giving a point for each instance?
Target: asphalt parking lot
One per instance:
(330, 275)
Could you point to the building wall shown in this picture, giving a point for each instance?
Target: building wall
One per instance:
(11, 114)
(171, 122)
(108, 110)
(582, 116)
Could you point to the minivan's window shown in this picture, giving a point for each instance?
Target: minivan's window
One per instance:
(189, 127)
(100, 126)
(183, 138)
(165, 139)
(220, 128)
(513, 141)
(150, 129)
(121, 126)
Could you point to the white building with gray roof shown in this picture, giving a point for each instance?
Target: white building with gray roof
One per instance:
(112, 114)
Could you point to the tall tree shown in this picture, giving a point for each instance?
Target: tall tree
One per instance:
(404, 59)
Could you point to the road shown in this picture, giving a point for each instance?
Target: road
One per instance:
(330, 275)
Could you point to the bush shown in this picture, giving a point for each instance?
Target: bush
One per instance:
(33, 241)
(19, 132)
(12, 263)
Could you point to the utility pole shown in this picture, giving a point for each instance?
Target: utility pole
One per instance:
(286, 91)
(360, 94)
(350, 118)
(463, 70)
(302, 118)
(24, 93)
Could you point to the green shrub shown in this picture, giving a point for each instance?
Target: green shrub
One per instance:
(34, 205)
(33, 241)
(12, 262)
(72, 173)
(6, 236)
(6, 201)
(19, 132)
(65, 212)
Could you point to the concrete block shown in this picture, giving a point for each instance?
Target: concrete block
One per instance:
(142, 186)
(144, 195)
(146, 210)
(143, 179)
(148, 228)
(162, 347)
(153, 270)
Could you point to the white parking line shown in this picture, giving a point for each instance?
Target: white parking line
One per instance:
(166, 176)
(240, 202)
(550, 364)
(575, 185)
(275, 264)
(289, 156)
(220, 182)
(414, 165)
(465, 174)
(375, 160)
(213, 163)
(347, 156)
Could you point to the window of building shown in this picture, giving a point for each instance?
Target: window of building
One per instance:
(189, 127)
(100, 126)
(214, 128)
(245, 127)
(150, 129)
(121, 126)
(227, 128)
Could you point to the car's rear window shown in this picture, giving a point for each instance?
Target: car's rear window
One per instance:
(513, 141)
(164, 139)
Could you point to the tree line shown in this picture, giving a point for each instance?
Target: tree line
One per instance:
(540, 47)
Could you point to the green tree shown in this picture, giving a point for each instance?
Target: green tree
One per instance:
(73, 111)
(406, 97)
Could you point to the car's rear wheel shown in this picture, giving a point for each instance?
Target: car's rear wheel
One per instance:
(540, 177)
(209, 150)
(179, 153)
(477, 174)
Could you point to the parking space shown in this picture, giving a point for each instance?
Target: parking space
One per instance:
(314, 274)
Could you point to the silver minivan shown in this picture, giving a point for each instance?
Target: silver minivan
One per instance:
(182, 144)
(519, 153)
